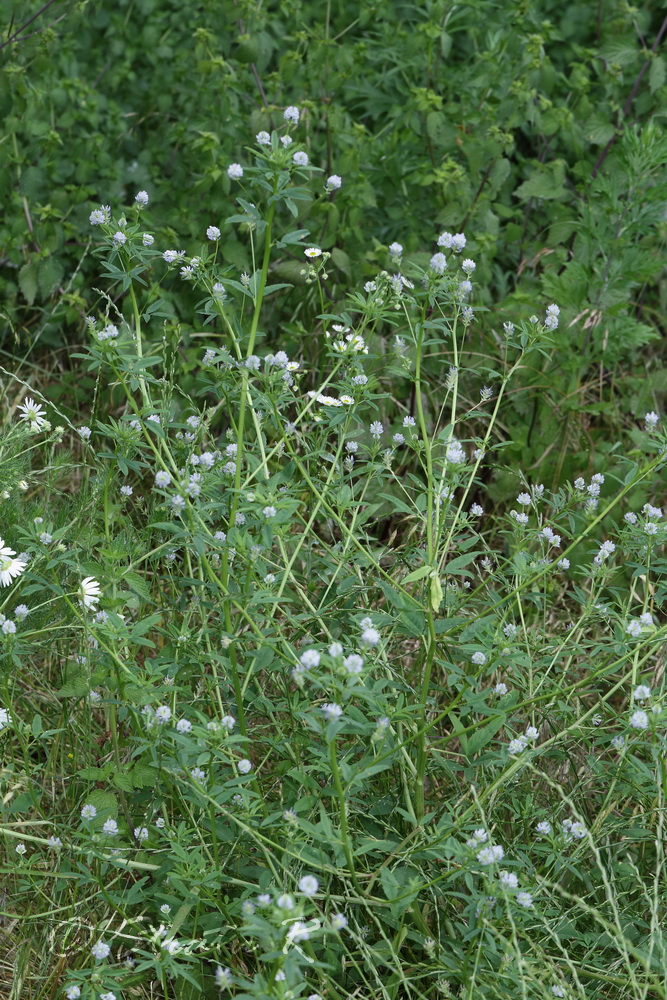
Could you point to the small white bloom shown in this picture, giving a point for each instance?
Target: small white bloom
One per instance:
(300, 159)
(244, 766)
(639, 720)
(308, 885)
(213, 233)
(263, 138)
(235, 171)
(141, 197)
(291, 115)
(332, 712)
(100, 950)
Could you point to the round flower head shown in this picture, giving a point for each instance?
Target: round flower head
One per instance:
(339, 921)
(110, 827)
(119, 238)
(141, 197)
(285, 902)
(72, 993)
(263, 138)
(334, 182)
(213, 233)
(235, 171)
(148, 240)
(223, 978)
(438, 263)
(100, 950)
(332, 712)
(301, 159)
(244, 766)
(291, 115)
(308, 885)
(639, 720)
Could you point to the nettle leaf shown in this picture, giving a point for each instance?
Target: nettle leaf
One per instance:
(546, 182)
(28, 282)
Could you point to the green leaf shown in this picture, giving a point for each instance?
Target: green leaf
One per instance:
(28, 282)
(417, 574)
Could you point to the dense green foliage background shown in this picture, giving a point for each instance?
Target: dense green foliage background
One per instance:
(534, 126)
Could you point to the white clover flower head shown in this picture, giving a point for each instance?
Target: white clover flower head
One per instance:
(223, 978)
(269, 512)
(235, 171)
(286, 140)
(517, 746)
(148, 240)
(438, 263)
(563, 563)
(264, 899)
(141, 197)
(339, 921)
(456, 453)
(651, 420)
(532, 733)
(213, 233)
(162, 478)
(263, 138)
(639, 719)
(604, 552)
(162, 714)
(21, 849)
(100, 950)
(642, 693)
(309, 658)
(126, 491)
(308, 885)
(98, 217)
(184, 726)
(140, 833)
(291, 115)
(558, 991)
(298, 931)
(491, 855)
(524, 899)
(509, 879)
(543, 828)
(285, 902)
(376, 429)
(479, 658)
(500, 688)
(370, 636)
(89, 811)
(244, 766)
(332, 712)
(479, 837)
(334, 182)
(119, 238)
(353, 663)
(395, 251)
(110, 827)
(8, 627)
(300, 159)
(634, 628)
(72, 993)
